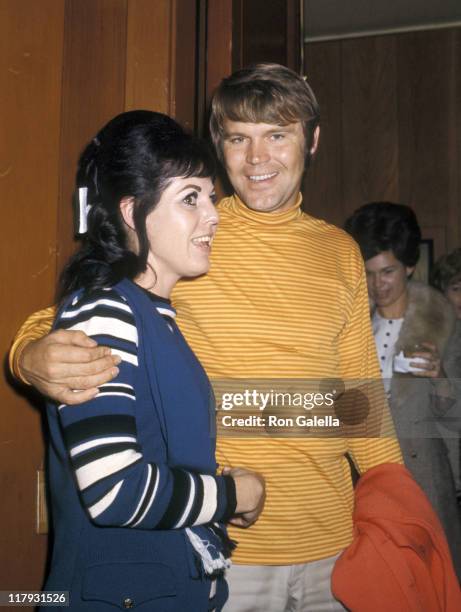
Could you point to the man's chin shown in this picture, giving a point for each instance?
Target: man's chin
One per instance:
(266, 205)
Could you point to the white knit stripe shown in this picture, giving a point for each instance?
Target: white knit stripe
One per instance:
(110, 326)
(190, 501)
(210, 496)
(102, 302)
(141, 500)
(105, 466)
(99, 507)
(154, 493)
(214, 583)
(128, 357)
(166, 311)
(102, 393)
(117, 384)
(100, 442)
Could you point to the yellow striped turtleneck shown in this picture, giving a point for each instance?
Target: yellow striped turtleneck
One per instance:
(286, 298)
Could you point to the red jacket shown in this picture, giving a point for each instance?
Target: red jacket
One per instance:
(399, 559)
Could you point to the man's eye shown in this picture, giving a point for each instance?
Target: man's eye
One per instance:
(236, 139)
(277, 136)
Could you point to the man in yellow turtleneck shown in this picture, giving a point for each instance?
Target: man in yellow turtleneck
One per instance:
(286, 298)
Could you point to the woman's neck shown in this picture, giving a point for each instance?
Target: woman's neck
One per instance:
(396, 310)
(148, 282)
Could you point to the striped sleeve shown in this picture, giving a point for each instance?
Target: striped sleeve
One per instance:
(359, 363)
(117, 485)
(35, 327)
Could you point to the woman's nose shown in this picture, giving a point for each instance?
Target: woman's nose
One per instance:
(210, 213)
(376, 283)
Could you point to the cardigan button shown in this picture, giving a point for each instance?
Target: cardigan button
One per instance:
(128, 602)
(414, 454)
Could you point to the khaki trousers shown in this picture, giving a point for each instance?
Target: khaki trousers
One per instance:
(303, 587)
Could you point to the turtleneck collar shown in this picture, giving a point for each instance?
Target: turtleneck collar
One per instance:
(273, 218)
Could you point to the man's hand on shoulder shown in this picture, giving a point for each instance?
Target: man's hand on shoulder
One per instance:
(67, 366)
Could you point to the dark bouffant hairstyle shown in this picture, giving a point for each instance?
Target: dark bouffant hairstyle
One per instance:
(384, 226)
(447, 270)
(264, 93)
(135, 155)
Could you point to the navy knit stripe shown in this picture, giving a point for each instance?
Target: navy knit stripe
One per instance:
(116, 342)
(198, 502)
(103, 451)
(111, 389)
(99, 310)
(99, 426)
(178, 501)
(148, 496)
(97, 294)
(231, 496)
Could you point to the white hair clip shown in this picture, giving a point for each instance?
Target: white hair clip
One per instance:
(83, 209)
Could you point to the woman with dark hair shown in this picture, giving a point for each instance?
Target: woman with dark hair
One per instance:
(412, 324)
(137, 509)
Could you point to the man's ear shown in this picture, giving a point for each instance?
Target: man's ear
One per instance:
(315, 141)
(127, 209)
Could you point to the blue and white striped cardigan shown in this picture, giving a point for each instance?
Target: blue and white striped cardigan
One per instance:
(136, 553)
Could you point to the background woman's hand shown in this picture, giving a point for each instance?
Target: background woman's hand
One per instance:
(431, 368)
(250, 491)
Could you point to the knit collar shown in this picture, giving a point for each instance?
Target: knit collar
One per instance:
(275, 218)
(162, 305)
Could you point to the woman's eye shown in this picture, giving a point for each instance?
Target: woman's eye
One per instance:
(191, 199)
(213, 198)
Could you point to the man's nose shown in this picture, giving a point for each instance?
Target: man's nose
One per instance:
(257, 151)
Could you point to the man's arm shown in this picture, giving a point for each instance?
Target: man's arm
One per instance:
(67, 366)
(359, 363)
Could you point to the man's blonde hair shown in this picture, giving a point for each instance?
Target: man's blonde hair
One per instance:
(264, 93)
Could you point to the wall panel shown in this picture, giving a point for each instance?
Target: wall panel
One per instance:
(323, 180)
(93, 90)
(428, 133)
(30, 82)
(148, 61)
(391, 127)
(369, 125)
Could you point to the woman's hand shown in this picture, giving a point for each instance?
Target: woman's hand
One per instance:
(431, 368)
(250, 491)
